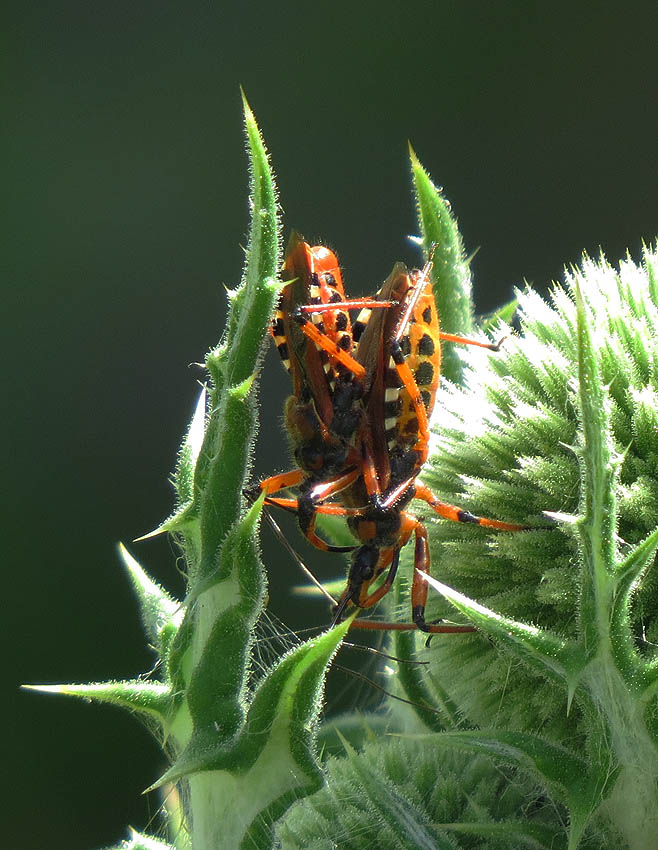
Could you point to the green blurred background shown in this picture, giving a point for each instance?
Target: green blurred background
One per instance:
(126, 211)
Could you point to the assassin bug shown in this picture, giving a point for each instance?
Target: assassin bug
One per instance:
(385, 387)
(311, 350)
(313, 334)
(401, 349)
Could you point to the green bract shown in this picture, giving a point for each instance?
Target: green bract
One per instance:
(537, 731)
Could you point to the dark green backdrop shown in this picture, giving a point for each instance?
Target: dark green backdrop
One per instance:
(126, 211)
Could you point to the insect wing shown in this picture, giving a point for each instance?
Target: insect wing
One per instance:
(412, 324)
(314, 277)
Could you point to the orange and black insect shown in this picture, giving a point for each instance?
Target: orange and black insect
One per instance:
(322, 414)
(401, 350)
(358, 417)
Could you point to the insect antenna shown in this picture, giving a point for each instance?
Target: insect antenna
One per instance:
(274, 525)
(374, 651)
(367, 680)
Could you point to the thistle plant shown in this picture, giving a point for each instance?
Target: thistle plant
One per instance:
(550, 708)
(538, 730)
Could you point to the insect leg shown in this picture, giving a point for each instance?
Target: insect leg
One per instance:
(457, 514)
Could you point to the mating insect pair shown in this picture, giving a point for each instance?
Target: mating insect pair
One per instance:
(358, 418)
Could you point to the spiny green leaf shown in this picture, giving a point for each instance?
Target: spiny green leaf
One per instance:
(254, 300)
(233, 363)
(598, 525)
(632, 566)
(628, 573)
(285, 702)
(151, 698)
(503, 315)
(271, 762)
(450, 273)
(189, 452)
(157, 607)
(538, 647)
(552, 764)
